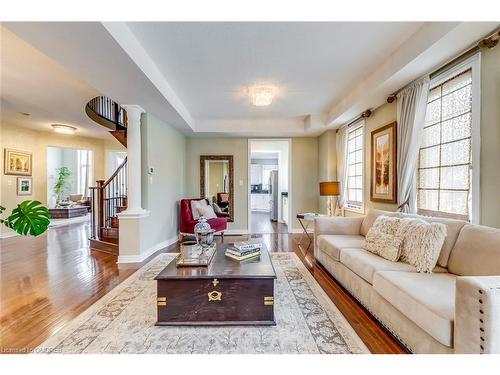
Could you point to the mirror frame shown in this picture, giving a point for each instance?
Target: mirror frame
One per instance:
(229, 158)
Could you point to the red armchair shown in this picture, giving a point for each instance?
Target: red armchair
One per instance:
(187, 223)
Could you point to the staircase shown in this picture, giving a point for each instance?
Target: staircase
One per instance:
(109, 197)
(110, 114)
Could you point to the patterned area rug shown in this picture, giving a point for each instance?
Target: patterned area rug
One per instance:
(123, 321)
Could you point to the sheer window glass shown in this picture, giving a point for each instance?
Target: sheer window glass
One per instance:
(355, 153)
(445, 158)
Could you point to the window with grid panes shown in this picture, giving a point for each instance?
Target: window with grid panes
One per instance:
(355, 152)
(445, 161)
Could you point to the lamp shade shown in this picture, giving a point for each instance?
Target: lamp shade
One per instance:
(329, 188)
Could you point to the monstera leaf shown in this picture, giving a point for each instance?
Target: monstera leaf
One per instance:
(30, 217)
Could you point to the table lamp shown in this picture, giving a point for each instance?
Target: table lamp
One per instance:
(330, 189)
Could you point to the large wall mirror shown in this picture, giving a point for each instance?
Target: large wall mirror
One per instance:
(216, 183)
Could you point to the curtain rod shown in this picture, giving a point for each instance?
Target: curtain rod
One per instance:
(489, 42)
(365, 114)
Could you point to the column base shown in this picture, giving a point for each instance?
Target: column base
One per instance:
(132, 236)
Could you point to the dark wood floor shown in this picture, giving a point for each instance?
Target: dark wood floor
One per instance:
(262, 224)
(48, 281)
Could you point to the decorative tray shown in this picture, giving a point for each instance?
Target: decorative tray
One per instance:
(200, 261)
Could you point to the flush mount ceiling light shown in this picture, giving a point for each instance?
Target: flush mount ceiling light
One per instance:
(64, 129)
(262, 96)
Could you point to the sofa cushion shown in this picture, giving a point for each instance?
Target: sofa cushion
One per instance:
(476, 252)
(370, 218)
(453, 228)
(331, 244)
(365, 264)
(426, 299)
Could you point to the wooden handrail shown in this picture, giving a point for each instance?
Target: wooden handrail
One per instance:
(108, 198)
(120, 167)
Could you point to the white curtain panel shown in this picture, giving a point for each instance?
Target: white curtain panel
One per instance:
(341, 143)
(412, 105)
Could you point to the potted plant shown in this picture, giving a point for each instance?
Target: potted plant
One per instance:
(62, 183)
(29, 217)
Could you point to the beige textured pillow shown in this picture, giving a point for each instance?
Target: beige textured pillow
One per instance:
(385, 237)
(207, 211)
(422, 243)
(195, 207)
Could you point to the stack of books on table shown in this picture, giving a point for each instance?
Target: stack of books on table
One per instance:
(244, 250)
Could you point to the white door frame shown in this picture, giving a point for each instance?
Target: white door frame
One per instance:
(249, 186)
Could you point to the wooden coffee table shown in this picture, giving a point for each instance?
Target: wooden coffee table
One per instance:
(227, 292)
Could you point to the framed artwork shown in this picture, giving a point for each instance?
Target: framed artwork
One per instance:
(24, 186)
(17, 162)
(383, 184)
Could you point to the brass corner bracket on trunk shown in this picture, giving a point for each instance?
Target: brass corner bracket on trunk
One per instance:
(161, 301)
(268, 301)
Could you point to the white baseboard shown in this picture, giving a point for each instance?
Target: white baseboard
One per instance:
(140, 258)
(8, 233)
(235, 231)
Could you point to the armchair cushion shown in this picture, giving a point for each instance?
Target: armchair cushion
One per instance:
(187, 222)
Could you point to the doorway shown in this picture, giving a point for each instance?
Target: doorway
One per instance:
(69, 175)
(269, 192)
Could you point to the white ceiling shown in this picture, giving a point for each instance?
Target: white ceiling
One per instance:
(33, 83)
(210, 65)
(193, 75)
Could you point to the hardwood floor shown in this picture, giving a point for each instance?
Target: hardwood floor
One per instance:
(48, 281)
(262, 224)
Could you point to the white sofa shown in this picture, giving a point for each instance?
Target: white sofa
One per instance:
(456, 309)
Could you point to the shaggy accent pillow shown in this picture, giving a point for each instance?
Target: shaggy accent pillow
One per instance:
(207, 211)
(195, 206)
(422, 243)
(384, 238)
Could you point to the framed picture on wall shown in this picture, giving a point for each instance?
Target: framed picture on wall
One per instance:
(24, 186)
(17, 162)
(383, 184)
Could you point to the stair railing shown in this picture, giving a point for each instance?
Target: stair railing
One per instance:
(107, 199)
(109, 110)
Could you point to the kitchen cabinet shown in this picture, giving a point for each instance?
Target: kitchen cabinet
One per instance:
(260, 202)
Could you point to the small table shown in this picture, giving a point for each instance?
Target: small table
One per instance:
(68, 212)
(227, 292)
(307, 218)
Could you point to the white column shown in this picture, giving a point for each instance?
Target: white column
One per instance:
(134, 205)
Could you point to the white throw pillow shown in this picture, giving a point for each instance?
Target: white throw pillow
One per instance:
(385, 237)
(422, 243)
(207, 211)
(195, 206)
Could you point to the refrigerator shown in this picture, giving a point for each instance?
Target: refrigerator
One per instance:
(273, 192)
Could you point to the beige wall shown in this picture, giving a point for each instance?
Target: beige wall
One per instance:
(216, 178)
(164, 149)
(327, 163)
(37, 143)
(304, 174)
(490, 137)
(305, 182)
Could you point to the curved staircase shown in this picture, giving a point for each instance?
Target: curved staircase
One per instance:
(108, 198)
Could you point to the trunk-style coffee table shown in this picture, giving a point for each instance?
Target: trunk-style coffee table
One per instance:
(227, 292)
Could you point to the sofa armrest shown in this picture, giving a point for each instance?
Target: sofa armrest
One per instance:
(477, 314)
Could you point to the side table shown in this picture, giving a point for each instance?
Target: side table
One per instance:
(305, 219)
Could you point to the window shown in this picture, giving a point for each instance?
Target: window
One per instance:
(355, 152)
(444, 174)
(84, 171)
